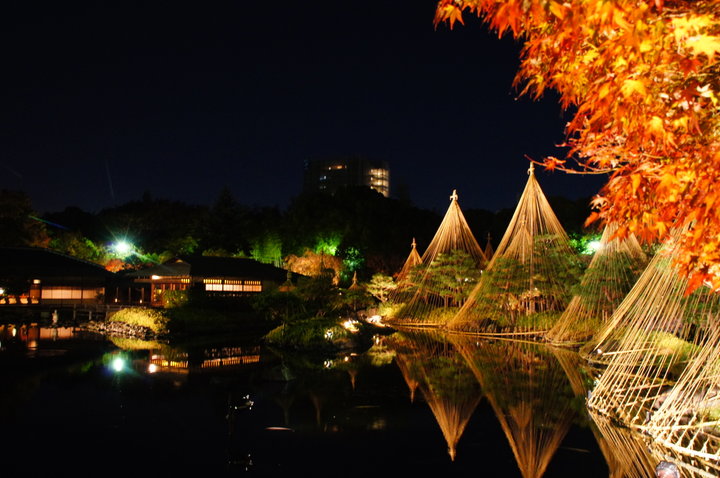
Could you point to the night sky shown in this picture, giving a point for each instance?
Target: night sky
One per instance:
(103, 102)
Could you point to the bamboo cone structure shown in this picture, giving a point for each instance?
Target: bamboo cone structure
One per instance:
(531, 272)
(443, 378)
(524, 385)
(638, 454)
(449, 266)
(489, 251)
(607, 280)
(652, 336)
(411, 262)
(688, 419)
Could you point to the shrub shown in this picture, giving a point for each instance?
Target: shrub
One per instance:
(175, 298)
(442, 315)
(154, 320)
(538, 321)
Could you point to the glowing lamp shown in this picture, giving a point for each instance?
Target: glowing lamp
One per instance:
(594, 246)
(122, 247)
(350, 325)
(118, 364)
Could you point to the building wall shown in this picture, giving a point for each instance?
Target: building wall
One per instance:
(329, 175)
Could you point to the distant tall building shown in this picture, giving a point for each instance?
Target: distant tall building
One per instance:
(329, 175)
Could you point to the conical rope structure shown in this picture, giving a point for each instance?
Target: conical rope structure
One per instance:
(688, 419)
(529, 393)
(528, 282)
(433, 291)
(411, 262)
(444, 379)
(654, 334)
(638, 454)
(607, 280)
(489, 251)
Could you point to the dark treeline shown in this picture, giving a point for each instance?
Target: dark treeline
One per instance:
(369, 232)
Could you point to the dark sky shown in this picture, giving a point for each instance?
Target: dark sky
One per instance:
(104, 101)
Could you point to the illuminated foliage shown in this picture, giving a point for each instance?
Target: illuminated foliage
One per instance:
(380, 286)
(641, 78)
(267, 249)
(73, 244)
(328, 244)
(353, 259)
(451, 276)
(314, 265)
(152, 319)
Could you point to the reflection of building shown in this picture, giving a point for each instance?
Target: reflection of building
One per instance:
(171, 360)
(40, 276)
(215, 276)
(329, 175)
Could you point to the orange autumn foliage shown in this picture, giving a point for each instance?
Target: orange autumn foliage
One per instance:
(642, 80)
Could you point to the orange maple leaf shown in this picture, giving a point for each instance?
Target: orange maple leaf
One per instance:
(448, 12)
(707, 44)
(594, 216)
(551, 162)
(695, 280)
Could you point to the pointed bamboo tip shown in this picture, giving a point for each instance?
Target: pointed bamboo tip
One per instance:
(531, 169)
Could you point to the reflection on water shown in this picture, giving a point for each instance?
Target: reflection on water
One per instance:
(415, 401)
(530, 394)
(431, 363)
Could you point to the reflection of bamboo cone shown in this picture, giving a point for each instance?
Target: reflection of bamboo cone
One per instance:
(285, 402)
(570, 362)
(317, 403)
(453, 399)
(629, 449)
(522, 386)
(353, 377)
(403, 362)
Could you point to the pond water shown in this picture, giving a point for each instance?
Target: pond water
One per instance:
(414, 403)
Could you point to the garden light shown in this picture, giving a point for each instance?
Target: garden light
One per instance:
(122, 248)
(118, 364)
(594, 246)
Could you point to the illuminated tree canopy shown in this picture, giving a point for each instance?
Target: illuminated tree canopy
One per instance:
(641, 80)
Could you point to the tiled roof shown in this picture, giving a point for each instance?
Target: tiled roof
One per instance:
(209, 266)
(39, 263)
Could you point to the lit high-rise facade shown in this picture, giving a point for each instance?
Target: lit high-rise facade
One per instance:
(329, 175)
